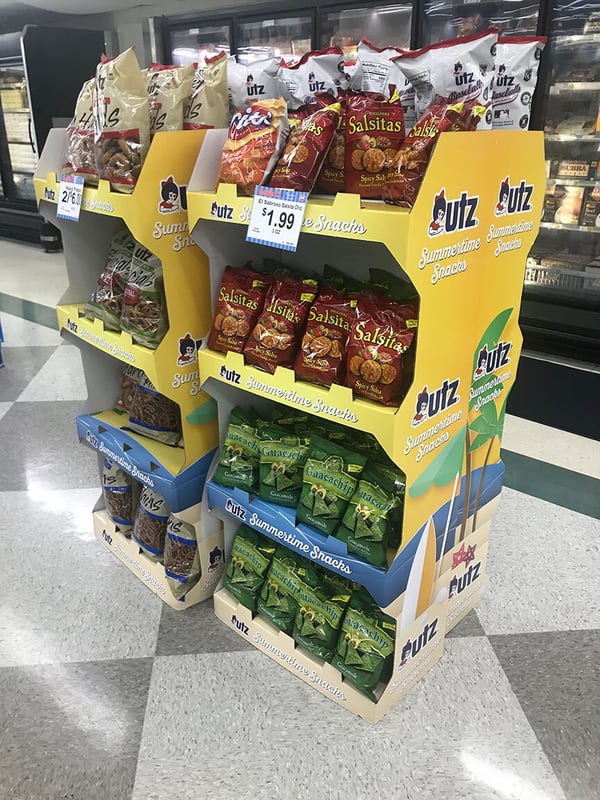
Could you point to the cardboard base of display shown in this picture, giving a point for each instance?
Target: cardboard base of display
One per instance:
(418, 648)
(152, 573)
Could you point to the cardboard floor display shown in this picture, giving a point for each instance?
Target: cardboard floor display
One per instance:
(466, 258)
(159, 222)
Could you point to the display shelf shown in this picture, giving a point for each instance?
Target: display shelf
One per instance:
(568, 137)
(151, 572)
(578, 38)
(576, 86)
(572, 182)
(160, 467)
(559, 226)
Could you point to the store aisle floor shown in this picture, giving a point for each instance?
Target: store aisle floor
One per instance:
(107, 694)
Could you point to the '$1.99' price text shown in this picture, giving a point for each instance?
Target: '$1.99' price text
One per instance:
(283, 220)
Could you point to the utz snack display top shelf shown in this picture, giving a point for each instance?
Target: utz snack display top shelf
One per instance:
(571, 182)
(568, 137)
(576, 86)
(559, 226)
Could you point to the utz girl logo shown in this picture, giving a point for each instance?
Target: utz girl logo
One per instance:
(173, 196)
(412, 648)
(215, 558)
(431, 403)
(513, 199)
(188, 350)
(450, 216)
(243, 122)
(489, 361)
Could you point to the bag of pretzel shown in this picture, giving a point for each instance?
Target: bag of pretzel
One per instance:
(80, 158)
(168, 90)
(208, 103)
(121, 120)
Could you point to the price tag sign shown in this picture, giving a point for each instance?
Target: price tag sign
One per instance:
(276, 217)
(70, 193)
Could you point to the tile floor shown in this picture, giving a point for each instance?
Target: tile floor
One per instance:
(107, 694)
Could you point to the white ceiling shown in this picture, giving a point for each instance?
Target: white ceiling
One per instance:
(76, 6)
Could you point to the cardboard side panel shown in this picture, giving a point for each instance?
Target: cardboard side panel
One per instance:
(464, 580)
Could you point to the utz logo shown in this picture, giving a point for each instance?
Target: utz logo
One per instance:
(513, 199)
(458, 585)
(431, 403)
(489, 361)
(188, 350)
(221, 211)
(449, 216)
(314, 85)
(462, 78)
(413, 647)
(248, 120)
(173, 197)
(253, 89)
(503, 78)
(215, 559)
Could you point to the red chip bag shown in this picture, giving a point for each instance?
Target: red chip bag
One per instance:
(331, 177)
(254, 143)
(239, 303)
(322, 356)
(306, 150)
(375, 355)
(408, 168)
(374, 132)
(274, 340)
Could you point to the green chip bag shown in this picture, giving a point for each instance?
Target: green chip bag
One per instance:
(288, 575)
(250, 559)
(365, 649)
(238, 463)
(317, 623)
(366, 523)
(282, 458)
(330, 477)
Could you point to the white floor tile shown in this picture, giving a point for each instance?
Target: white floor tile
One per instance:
(61, 378)
(22, 333)
(551, 445)
(4, 408)
(34, 275)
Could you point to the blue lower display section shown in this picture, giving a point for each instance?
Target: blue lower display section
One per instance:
(279, 524)
(179, 491)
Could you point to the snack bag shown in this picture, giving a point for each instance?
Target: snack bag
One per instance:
(240, 301)
(365, 648)
(368, 520)
(274, 339)
(130, 377)
(117, 490)
(391, 284)
(153, 415)
(150, 524)
(342, 283)
(80, 156)
(282, 458)
(287, 576)
(144, 313)
(181, 561)
(251, 556)
(121, 120)
(168, 90)
(374, 132)
(319, 618)
(318, 72)
(329, 480)
(378, 341)
(330, 179)
(306, 150)
(106, 302)
(410, 163)
(239, 459)
(517, 64)
(322, 356)
(457, 70)
(208, 103)
(256, 138)
(254, 83)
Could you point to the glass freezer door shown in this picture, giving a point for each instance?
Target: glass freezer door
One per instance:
(19, 158)
(446, 19)
(287, 37)
(194, 44)
(382, 24)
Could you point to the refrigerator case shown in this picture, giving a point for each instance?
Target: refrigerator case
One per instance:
(561, 296)
(41, 73)
(447, 19)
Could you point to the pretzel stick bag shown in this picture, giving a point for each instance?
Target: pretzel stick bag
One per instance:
(168, 90)
(121, 120)
(80, 158)
(208, 103)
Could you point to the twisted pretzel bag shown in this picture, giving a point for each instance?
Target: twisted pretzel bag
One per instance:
(80, 157)
(150, 524)
(153, 415)
(121, 119)
(208, 103)
(305, 152)
(144, 313)
(181, 561)
(117, 490)
(168, 90)
(106, 302)
(256, 138)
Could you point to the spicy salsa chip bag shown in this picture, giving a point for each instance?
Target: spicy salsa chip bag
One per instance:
(240, 301)
(273, 341)
(255, 140)
(374, 132)
(382, 332)
(322, 355)
(305, 152)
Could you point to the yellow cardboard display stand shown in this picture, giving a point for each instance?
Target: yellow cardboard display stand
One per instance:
(156, 215)
(463, 246)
